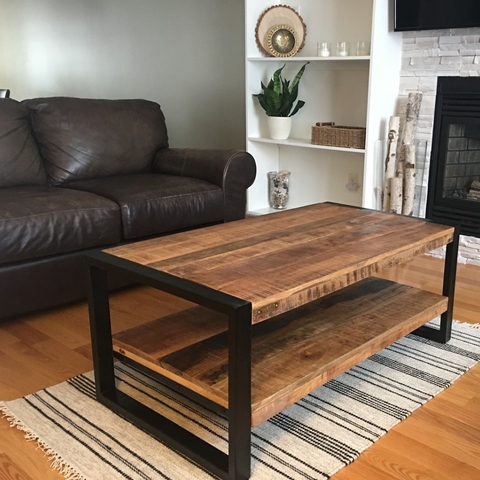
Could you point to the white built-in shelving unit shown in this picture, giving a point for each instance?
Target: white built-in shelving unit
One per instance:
(353, 91)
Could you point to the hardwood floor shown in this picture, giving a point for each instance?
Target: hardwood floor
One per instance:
(439, 441)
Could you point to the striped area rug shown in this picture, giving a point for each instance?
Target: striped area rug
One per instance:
(310, 440)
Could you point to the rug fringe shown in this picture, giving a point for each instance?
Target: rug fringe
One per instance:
(57, 462)
(476, 326)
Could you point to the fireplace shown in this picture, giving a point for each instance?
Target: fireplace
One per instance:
(454, 178)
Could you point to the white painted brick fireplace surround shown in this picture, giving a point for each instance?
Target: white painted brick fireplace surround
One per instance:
(427, 55)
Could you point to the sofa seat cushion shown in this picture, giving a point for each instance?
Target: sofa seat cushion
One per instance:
(39, 221)
(154, 203)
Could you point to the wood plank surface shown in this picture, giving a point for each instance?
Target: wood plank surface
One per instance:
(292, 354)
(281, 261)
(11, 471)
(171, 333)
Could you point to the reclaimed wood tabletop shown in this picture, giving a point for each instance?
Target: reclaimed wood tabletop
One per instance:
(315, 311)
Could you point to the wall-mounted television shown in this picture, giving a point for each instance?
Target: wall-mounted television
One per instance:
(436, 14)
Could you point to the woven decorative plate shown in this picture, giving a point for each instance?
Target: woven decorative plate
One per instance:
(282, 41)
(280, 17)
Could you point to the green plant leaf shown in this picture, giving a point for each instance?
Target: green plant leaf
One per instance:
(261, 99)
(294, 92)
(279, 95)
(277, 79)
(273, 102)
(298, 106)
(298, 76)
(286, 104)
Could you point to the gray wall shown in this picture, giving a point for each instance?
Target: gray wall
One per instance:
(187, 55)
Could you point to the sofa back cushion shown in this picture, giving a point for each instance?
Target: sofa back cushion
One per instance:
(86, 138)
(20, 161)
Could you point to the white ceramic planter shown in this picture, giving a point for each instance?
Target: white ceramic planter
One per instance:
(279, 127)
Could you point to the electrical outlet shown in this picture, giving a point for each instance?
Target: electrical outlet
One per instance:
(353, 178)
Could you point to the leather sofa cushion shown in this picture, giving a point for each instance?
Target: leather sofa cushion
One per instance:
(86, 138)
(154, 203)
(38, 221)
(20, 162)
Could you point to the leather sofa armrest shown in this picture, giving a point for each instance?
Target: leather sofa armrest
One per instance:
(232, 170)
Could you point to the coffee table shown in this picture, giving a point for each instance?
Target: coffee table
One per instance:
(285, 302)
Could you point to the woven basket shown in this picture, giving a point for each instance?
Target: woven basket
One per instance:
(338, 136)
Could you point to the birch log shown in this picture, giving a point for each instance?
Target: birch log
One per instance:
(413, 109)
(409, 129)
(396, 194)
(414, 102)
(400, 171)
(474, 192)
(409, 181)
(391, 160)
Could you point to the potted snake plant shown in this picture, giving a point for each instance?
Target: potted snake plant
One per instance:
(278, 100)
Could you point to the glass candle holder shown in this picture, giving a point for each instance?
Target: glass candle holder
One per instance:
(323, 49)
(363, 48)
(278, 189)
(343, 49)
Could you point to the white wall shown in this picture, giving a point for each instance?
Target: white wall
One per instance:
(187, 55)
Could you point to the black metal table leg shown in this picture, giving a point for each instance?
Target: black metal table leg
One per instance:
(100, 331)
(235, 465)
(239, 393)
(450, 270)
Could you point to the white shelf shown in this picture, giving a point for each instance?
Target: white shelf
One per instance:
(305, 143)
(308, 59)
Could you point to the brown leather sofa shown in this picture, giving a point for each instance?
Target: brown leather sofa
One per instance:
(81, 174)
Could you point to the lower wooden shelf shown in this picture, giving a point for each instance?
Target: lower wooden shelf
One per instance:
(293, 353)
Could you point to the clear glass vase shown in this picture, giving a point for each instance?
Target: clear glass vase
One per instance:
(278, 189)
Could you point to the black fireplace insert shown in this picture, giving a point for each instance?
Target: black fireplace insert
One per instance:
(454, 178)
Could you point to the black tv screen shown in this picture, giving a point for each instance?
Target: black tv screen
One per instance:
(436, 14)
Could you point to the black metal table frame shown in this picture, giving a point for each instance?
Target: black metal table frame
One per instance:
(444, 334)
(236, 464)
